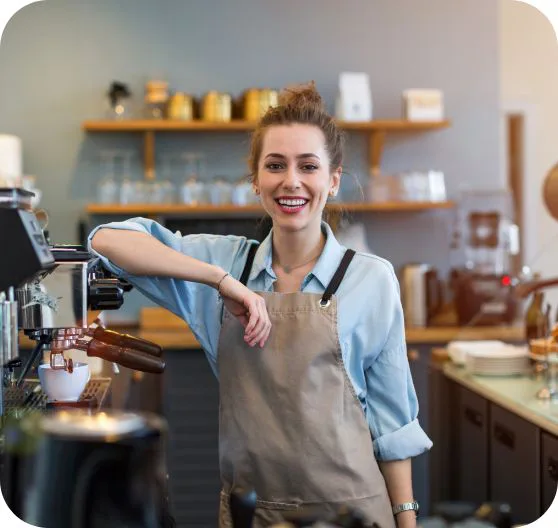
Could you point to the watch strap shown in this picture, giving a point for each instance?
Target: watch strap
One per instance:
(405, 506)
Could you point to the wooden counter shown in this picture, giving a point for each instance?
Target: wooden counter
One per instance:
(171, 332)
(445, 334)
(183, 338)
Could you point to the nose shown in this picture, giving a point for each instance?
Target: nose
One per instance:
(291, 180)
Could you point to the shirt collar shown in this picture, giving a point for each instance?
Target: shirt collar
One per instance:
(324, 269)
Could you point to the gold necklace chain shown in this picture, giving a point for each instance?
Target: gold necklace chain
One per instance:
(289, 269)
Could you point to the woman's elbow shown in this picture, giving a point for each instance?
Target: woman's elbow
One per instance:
(101, 241)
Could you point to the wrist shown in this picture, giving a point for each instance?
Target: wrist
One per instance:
(406, 519)
(214, 276)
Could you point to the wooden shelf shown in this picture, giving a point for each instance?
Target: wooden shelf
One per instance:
(376, 131)
(155, 125)
(161, 125)
(216, 210)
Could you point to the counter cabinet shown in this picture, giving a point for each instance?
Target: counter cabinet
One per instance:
(487, 453)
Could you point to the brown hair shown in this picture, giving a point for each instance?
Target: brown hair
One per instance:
(300, 104)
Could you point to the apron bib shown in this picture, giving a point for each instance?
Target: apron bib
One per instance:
(291, 427)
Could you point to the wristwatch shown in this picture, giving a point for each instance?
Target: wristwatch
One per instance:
(406, 506)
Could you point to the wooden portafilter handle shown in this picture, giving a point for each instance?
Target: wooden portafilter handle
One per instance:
(127, 357)
(124, 340)
(524, 289)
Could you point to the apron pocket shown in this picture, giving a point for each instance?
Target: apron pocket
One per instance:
(374, 510)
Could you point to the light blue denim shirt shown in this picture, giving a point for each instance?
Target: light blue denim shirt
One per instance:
(370, 321)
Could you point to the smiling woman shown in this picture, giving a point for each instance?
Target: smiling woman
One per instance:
(325, 413)
(295, 164)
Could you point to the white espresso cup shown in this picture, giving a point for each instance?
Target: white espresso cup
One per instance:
(60, 385)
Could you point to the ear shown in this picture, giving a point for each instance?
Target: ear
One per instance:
(335, 181)
(255, 188)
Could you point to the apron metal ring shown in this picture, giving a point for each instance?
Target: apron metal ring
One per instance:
(324, 304)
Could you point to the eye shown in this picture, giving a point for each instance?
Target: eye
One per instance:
(273, 166)
(309, 167)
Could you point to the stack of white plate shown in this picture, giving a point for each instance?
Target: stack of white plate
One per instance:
(458, 350)
(506, 360)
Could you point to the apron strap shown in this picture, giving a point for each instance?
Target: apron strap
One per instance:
(333, 285)
(248, 266)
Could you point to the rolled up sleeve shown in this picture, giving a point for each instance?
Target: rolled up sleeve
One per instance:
(391, 401)
(197, 304)
(143, 225)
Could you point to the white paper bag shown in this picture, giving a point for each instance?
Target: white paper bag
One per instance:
(354, 102)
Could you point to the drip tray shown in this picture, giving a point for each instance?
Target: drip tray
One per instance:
(31, 397)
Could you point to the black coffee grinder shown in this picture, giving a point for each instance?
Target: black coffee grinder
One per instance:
(71, 469)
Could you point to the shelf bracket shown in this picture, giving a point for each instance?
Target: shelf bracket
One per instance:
(375, 152)
(149, 154)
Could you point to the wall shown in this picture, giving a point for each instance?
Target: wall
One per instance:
(529, 84)
(58, 57)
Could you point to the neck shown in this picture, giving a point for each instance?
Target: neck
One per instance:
(294, 248)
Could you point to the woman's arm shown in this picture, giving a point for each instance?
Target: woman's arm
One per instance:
(142, 254)
(392, 404)
(397, 474)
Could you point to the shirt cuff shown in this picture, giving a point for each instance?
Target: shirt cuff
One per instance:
(408, 441)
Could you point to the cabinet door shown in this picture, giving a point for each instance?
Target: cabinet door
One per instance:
(191, 407)
(418, 361)
(472, 451)
(442, 415)
(549, 470)
(514, 464)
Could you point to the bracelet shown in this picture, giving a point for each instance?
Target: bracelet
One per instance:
(220, 281)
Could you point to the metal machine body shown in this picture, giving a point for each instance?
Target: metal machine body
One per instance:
(26, 253)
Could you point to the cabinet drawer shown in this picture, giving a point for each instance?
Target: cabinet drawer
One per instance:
(549, 470)
(472, 454)
(515, 464)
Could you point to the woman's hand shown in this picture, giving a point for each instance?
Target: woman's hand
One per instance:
(249, 308)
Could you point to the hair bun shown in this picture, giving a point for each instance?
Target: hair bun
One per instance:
(302, 95)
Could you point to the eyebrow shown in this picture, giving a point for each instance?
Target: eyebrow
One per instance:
(300, 156)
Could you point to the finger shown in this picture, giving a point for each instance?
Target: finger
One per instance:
(254, 316)
(262, 338)
(252, 337)
(266, 336)
(258, 333)
(259, 330)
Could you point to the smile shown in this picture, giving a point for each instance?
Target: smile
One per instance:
(291, 205)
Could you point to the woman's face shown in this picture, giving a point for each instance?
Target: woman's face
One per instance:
(294, 176)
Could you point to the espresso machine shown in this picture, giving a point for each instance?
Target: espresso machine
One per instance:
(484, 241)
(70, 464)
(54, 294)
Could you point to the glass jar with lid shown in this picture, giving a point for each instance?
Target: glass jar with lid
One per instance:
(220, 191)
(242, 192)
(192, 191)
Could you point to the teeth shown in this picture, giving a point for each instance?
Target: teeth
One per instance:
(292, 203)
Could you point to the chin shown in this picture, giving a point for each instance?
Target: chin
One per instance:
(292, 224)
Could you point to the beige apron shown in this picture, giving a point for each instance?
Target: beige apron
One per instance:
(291, 427)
